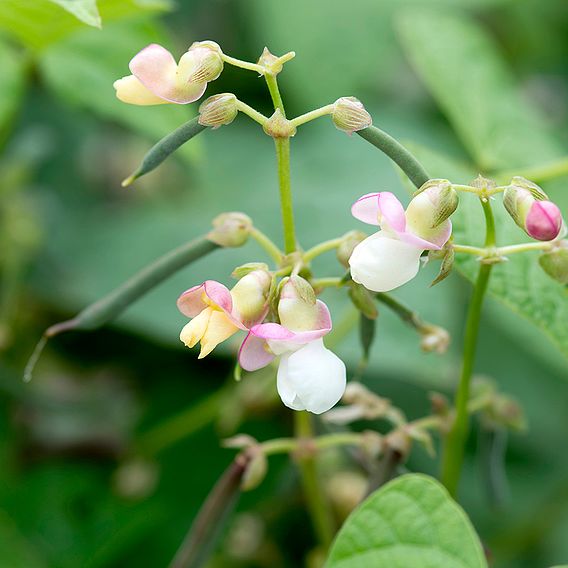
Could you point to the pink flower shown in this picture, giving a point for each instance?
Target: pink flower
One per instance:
(157, 78)
(218, 313)
(391, 257)
(543, 221)
(310, 376)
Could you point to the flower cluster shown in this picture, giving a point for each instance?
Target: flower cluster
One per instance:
(310, 377)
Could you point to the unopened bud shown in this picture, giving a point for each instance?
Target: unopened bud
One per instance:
(297, 306)
(433, 203)
(348, 242)
(350, 115)
(255, 471)
(247, 268)
(531, 210)
(434, 339)
(230, 229)
(218, 110)
(555, 262)
(278, 126)
(209, 63)
(250, 295)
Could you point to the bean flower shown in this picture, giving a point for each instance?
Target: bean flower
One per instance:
(218, 313)
(391, 257)
(157, 78)
(310, 376)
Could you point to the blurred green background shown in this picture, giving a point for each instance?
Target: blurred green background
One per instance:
(103, 462)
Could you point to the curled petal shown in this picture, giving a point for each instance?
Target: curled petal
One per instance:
(382, 209)
(312, 378)
(437, 237)
(156, 69)
(366, 209)
(130, 90)
(196, 299)
(381, 263)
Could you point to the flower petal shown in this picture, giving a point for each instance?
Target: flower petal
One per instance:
(366, 209)
(219, 328)
(130, 90)
(193, 301)
(312, 378)
(420, 218)
(254, 353)
(382, 263)
(156, 68)
(193, 331)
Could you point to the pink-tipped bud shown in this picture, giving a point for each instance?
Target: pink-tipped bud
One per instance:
(543, 221)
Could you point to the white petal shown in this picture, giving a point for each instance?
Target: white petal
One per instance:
(130, 90)
(312, 378)
(382, 263)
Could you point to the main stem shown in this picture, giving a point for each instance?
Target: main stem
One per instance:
(283, 158)
(315, 499)
(452, 459)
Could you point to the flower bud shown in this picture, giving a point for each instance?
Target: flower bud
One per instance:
(247, 268)
(209, 63)
(531, 210)
(255, 471)
(350, 115)
(297, 307)
(278, 126)
(269, 61)
(218, 110)
(432, 204)
(230, 229)
(250, 295)
(555, 262)
(348, 242)
(434, 339)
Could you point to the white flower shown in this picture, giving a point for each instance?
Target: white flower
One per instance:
(312, 378)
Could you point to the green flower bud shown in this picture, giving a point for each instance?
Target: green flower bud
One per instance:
(218, 110)
(350, 115)
(435, 202)
(230, 229)
(348, 243)
(555, 262)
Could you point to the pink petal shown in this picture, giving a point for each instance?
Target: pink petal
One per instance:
(254, 354)
(391, 212)
(544, 221)
(366, 209)
(191, 302)
(157, 70)
(272, 331)
(437, 242)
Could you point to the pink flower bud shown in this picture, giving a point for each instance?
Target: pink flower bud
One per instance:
(543, 221)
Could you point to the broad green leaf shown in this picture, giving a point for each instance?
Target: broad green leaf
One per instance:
(15, 550)
(465, 73)
(410, 522)
(520, 283)
(84, 10)
(13, 68)
(83, 68)
(40, 23)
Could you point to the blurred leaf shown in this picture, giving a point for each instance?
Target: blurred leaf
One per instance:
(15, 551)
(40, 23)
(411, 521)
(520, 283)
(13, 68)
(83, 68)
(84, 10)
(467, 76)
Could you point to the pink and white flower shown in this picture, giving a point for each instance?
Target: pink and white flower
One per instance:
(391, 257)
(157, 78)
(218, 313)
(310, 376)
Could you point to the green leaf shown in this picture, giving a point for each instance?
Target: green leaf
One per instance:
(82, 70)
(411, 521)
(15, 551)
(465, 73)
(12, 84)
(40, 23)
(84, 10)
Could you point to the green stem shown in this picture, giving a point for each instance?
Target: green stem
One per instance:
(283, 159)
(405, 313)
(312, 115)
(317, 505)
(524, 247)
(272, 84)
(243, 64)
(396, 152)
(332, 244)
(252, 113)
(466, 249)
(331, 282)
(273, 251)
(452, 459)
